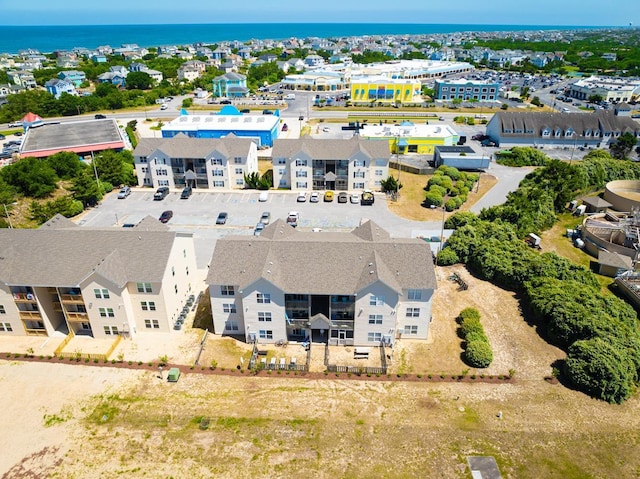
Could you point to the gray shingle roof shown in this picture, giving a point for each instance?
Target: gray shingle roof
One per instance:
(330, 150)
(535, 122)
(181, 146)
(52, 256)
(322, 263)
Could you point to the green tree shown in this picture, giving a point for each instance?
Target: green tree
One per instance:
(67, 165)
(391, 184)
(139, 81)
(623, 145)
(601, 369)
(31, 177)
(85, 189)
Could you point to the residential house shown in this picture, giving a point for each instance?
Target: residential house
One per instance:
(345, 165)
(116, 75)
(57, 87)
(198, 162)
(313, 61)
(127, 281)
(230, 85)
(74, 76)
(98, 58)
(25, 79)
(67, 61)
(361, 288)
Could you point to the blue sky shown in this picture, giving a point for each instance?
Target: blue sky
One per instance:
(505, 12)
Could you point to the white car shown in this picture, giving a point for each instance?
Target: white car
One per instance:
(314, 198)
(164, 106)
(302, 197)
(354, 198)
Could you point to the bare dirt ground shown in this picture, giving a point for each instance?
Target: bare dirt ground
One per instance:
(74, 421)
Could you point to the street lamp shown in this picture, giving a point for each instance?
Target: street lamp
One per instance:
(441, 230)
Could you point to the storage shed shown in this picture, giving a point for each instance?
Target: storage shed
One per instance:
(595, 204)
(461, 157)
(612, 264)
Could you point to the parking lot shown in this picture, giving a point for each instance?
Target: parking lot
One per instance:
(198, 214)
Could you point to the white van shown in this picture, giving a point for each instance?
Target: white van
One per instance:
(290, 96)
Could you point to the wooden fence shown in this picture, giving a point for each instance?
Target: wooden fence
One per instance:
(63, 344)
(91, 356)
(359, 370)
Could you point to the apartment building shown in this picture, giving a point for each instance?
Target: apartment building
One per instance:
(198, 162)
(358, 288)
(307, 163)
(466, 90)
(95, 282)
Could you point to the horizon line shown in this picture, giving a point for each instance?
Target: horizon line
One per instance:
(315, 23)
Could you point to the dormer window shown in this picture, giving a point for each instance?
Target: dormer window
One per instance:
(558, 132)
(546, 132)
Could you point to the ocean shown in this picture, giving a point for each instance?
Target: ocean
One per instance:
(50, 38)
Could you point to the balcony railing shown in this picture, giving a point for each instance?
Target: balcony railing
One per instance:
(72, 298)
(36, 332)
(57, 306)
(30, 315)
(24, 298)
(76, 316)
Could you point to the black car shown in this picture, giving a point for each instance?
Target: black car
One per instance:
(99, 117)
(186, 193)
(161, 193)
(222, 218)
(166, 216)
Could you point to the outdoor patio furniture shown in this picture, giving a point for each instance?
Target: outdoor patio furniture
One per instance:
(283, 361)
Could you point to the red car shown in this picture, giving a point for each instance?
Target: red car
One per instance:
(166, 216)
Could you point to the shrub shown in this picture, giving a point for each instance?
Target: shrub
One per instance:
(451, 204)
(433, 198)
(478, 354)
(468, 313)
(470, 328)
(447, 257)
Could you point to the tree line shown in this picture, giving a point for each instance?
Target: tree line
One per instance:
(599, 333)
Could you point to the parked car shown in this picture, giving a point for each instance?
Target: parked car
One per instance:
(343, 197)
(166, 216)
(2, 137)
(164, 106)
(258, 229)
(186, 193)
(161, 193)
(314, 198)
(124, 192)
(15, 124)
(99, 117)
(292, 218)
(354, 198)
(328, 196)
(265, 218)
(222, 218)
(264, 196)
(302, 197)
(225, 102)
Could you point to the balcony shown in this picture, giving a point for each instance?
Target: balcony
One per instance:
(36, 331)
(57, 306)
(72, 298)
(24, 298)
(77, 316)
(30, 315)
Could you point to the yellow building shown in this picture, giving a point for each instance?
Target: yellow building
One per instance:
(410, 138)
(385, 90)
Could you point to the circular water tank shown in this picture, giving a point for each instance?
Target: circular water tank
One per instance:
(624, 195)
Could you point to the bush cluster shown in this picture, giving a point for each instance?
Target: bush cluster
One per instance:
(477, 350)
(600, 333)
(449, 187)
(522, 156)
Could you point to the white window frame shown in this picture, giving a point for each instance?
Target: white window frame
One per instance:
(414, 295)
(374, 337)
(101, 293)
(148, 305)
(6, 327)
(229, 308)
(264, 316)
(265, 334)
(106, 313)
(152, 324)
(111, 330)
(144, 287)
(227, 290)
(375, 319)
(410, 329)
(231, 325)
(376, 300)
(413, 313)
(264, 298)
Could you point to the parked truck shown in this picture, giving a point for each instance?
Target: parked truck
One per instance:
(367, 197)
